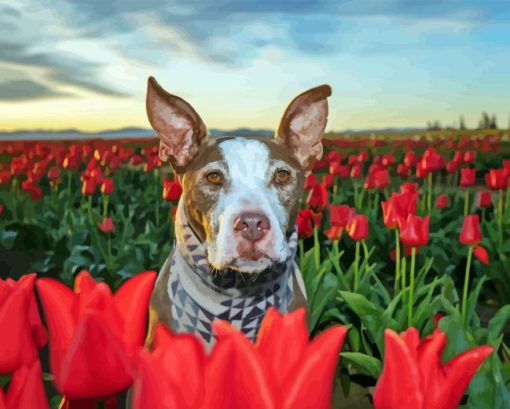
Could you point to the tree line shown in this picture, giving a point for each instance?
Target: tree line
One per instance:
(486, 122)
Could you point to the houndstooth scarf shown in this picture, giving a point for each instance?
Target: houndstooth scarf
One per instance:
(200, 296)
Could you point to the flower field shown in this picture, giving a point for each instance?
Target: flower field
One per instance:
(404, 249)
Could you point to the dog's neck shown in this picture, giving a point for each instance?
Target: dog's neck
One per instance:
(199, 291)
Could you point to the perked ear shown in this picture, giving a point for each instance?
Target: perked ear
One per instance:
(303, 123)
(178, 125)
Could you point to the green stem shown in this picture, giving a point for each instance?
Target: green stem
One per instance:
(403, 273)
(316, 248)
(156, 202)
(411, 289)
(89, 209)
(69, 180)
(335, 188)
(466, 202)
(105, 205)
(500, 221)
(483, 214)
(429, 189)
(397, 259)
(466, 285)
(301, 254)
(356, 266)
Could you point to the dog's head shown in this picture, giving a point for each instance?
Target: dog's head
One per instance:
(241, 195)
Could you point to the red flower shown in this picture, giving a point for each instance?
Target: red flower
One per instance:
(408, 187)
(410, 159)
(356, 171)
(34, 191)
(414, 375)
(358, 228)
(341, 215)
(467, 177)
(317, 198)
(471, 235)
(107, 186)
(310, 181)
(106, 226)
(421, 171)
(431, 160)
(90, 327)
(414, 231)
(304, 223)
(382, 178)
(88, 186)
(369, 182)
(334, 156)
(469, 157)
(485, 199)
(398, 207)
(54, 174)
(452, 166)
(481, 254)
(20, 324)
(1, 208)
(442, 201)
(5, 177)
(342, 171)
(26, 389)
(327, 180)
(172, 190)
(497, 179)
(334, 233)
(403, 170)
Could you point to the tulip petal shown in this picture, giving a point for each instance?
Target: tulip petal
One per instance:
(59, 304)
(26, 389)
(399, 384)
(132, 299)
(2, 400)
(252, 388)
(281, 341)
(312, 384)
(151, 388)
(430, 364)
(38, 330)
(461, 369)
(94, 365)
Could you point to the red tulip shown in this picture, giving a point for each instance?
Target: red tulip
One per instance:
(408, 187)
(403, 171)
(471, 234)
(107, 186)
(106, 226)
(356, 171)
(310, 181)
(484, 199)
(334, 156)
(481, 254)
(317, 198)
(497, 179)
(358, 229)
(382, 179)
(5, 177)
(274, 372)
(136, 160)
(442, 201)
(467, 177)
(398, 207)
(95, 335)
(369, 182)
(410, 159)
(506, 164)
(341, 215)
(452, 166)
(20, 324)
(172, 190)
(88, 186)
(34, 191)
(26, 389)
(334, 233)
(431, 160)
(414, 231)
(54, 174)
(414, 375)
(327, 180)
(304, 223)
(342, 171)
(469, 157)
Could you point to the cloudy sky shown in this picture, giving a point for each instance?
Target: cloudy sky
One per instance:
(83, 63)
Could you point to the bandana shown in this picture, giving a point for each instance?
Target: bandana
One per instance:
(200, 295)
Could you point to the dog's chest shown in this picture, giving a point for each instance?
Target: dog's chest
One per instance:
(199, 298)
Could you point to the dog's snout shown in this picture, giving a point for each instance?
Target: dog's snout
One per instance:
(252, 226)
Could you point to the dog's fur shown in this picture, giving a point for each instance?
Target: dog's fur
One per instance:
(248, 184)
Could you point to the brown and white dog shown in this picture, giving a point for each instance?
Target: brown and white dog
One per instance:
(235, 224)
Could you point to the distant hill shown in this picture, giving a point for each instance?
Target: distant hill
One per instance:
(42, 134)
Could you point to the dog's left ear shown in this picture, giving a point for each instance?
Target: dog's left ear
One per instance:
(179, 127)
(303, 123)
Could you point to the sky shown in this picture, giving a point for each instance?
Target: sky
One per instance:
(84, 64)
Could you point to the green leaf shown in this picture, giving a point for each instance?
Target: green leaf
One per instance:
(497, 323)
(325, 293)
(365, 364)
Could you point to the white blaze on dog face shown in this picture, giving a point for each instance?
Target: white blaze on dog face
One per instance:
(249, 188)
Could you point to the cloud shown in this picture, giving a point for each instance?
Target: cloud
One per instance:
(24, 89)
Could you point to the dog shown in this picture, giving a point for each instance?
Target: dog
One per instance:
(235, 224)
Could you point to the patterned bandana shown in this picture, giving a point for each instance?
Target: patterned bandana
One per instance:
(200, 295)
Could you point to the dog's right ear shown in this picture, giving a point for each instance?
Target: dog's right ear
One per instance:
(179, 127)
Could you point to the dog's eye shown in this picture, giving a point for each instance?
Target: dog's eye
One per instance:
(214, 177)
(281, 176)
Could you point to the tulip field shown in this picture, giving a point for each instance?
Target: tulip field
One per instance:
(404, 247)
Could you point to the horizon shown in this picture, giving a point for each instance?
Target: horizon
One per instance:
(391, 64)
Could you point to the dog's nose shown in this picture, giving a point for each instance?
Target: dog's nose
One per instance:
(252, 226)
